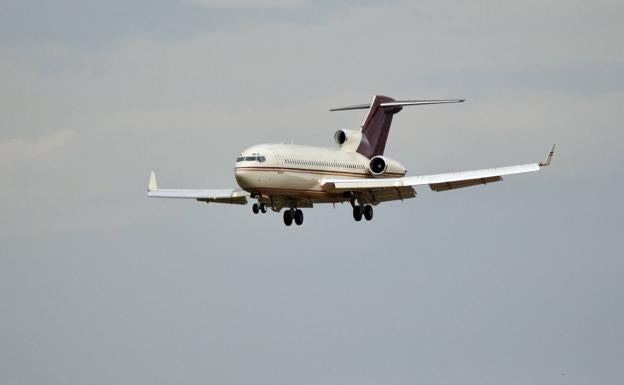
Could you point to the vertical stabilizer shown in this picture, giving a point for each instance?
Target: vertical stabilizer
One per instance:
(376, 127)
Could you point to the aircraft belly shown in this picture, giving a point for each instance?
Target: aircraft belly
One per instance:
(297, 185)
(255, 180)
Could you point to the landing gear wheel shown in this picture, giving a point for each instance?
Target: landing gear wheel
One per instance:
(288, 217)
(255, 208)
(368, 212)
(298, 217)
(357, 213)
(263, 208)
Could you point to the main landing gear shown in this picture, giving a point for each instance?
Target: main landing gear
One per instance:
(293, 214)
(259, 207)
(290, 215)
(362, 210)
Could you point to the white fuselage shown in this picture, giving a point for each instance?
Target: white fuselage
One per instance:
(279, 172)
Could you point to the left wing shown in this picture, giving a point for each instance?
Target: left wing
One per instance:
(218, 196)
(437, 182)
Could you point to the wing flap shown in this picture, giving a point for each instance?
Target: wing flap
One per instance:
(379, 195)
(464, 183)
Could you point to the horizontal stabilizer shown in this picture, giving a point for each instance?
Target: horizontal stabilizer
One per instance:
(399, 103)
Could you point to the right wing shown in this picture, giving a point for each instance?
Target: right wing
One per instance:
(437, 182)
(231, 196)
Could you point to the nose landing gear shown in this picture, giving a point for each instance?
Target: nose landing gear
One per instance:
(259, 207)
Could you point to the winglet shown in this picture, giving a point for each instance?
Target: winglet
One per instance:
(548, 158)
(153, 185)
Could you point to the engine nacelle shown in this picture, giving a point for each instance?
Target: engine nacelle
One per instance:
(348, 140)
(380, 165)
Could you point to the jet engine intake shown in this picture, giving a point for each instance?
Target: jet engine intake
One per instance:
(378, 165)
(348, 140)
(340, 137)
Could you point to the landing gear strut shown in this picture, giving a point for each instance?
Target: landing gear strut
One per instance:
(293, 214)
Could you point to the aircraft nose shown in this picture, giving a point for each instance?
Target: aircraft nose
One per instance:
(242, 178)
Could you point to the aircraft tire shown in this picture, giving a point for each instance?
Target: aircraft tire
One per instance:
(288, 217)
(357, 213)
(263, 208)
(255, 208)
(298, 217)
(368, 212)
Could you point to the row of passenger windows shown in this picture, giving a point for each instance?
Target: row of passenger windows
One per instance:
(259, 158)
(300, 162)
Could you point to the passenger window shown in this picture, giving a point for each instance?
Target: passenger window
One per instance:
(261, 159)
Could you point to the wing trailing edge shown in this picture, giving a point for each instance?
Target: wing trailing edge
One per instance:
(437, 182)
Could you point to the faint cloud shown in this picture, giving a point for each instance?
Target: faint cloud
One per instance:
(20, 149)
(249, 3)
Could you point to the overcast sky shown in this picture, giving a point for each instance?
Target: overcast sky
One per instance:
(518, 282)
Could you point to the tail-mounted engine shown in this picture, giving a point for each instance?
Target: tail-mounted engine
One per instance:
(382, 166)
(378, 165)
(348, 140)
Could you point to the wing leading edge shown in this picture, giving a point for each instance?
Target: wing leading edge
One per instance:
(437, 182)
(230, 196)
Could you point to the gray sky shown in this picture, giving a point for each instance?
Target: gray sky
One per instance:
(515, 283)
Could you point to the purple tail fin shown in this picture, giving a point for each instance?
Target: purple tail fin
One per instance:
(376, 127)
(377, 124)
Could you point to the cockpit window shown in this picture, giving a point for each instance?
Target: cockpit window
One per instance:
(255, 158)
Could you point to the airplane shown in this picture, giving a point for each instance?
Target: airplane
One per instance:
(292, 177)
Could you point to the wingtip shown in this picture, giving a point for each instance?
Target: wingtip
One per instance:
(549, 157)
(153, 184)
